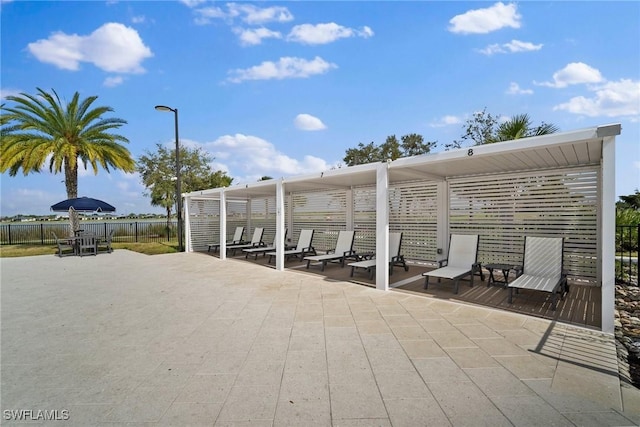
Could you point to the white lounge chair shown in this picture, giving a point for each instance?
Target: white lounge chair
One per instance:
(395, 257)
(344, 248)
(262, 249)
(237, 239)
(461, 261)
(256, 241)
(543, 269)
(302, 248)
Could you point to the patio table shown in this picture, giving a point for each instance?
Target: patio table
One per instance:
(505, 268)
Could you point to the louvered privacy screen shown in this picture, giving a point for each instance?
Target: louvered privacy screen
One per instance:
(503, 209)
(322, 211)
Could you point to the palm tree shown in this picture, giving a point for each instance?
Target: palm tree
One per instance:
(520, 126)
(39, 129)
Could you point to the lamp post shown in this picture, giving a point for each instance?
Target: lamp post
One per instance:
(178, 184)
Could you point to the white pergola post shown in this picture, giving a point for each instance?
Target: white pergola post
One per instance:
(608, 233)
(187, 224)
(442, 227)
(349, 214)
(280, 226)
(382, 226)
(223, 225)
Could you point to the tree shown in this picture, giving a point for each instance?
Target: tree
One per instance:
(483, 128)
(412, 145)
(479, 129)
(520, 126)
(158, 171)
(632, 201)
(41, 129)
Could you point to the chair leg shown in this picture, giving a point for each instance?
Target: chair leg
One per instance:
(426, 282)
(456, 284)
(352, 268)
(308, 262)
(510, 295)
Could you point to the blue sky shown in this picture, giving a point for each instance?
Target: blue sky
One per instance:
(285, 88)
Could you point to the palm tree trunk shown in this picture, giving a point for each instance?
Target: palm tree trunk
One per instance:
(71, 183)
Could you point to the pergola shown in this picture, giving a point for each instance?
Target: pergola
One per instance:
(561, 184)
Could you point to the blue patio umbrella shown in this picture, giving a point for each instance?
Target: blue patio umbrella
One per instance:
(83, 204)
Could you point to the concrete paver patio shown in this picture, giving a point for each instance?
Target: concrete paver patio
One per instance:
(187, 339)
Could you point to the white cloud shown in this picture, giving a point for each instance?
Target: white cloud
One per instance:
(256, 15)
(254, 36)
(113, 81)
(138, 19)
(325, 33)
(514, 46)
(192, 3)
(308, 122)
(247, 13)
(482, 21)
(573, 74)
(113, 47)
(285, 68)
(446, 121)
(247, 158)
(611, 99)
(5, 91)
(515, 89)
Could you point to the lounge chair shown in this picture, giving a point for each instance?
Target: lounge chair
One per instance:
(65, 246)
(543, 268)
(302, 248)
(344, 248)
(395, 257)
(237, 240)
(461, 261)
(106, 243)
(256, 241)
(262, 249)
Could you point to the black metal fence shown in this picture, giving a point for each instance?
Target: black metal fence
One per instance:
(627, 243)
(123, 231)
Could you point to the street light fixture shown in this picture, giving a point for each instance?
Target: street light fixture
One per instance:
(178, 183)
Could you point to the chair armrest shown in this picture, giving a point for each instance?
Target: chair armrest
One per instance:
(443, 263)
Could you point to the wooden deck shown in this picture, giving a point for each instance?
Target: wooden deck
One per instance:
(582, 305)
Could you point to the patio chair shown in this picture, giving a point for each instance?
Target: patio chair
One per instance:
(302, 248)
(256, 241)
(237, 239)
(262, 249)
(86, 244)
(462, 261)
(105, 243)
(543, 268)
(395, 257)
(344, 248)
(65, 245)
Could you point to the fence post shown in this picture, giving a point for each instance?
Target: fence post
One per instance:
(41, 234)
(136, 223)
(9, 233)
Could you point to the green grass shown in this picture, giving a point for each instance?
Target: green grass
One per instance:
(7, 251)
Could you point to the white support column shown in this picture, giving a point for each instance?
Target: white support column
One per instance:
(187, 224)
(280, 226)
(223, 225)
(608, 233)
(248, 211)
(442, 227)
(382, 227)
